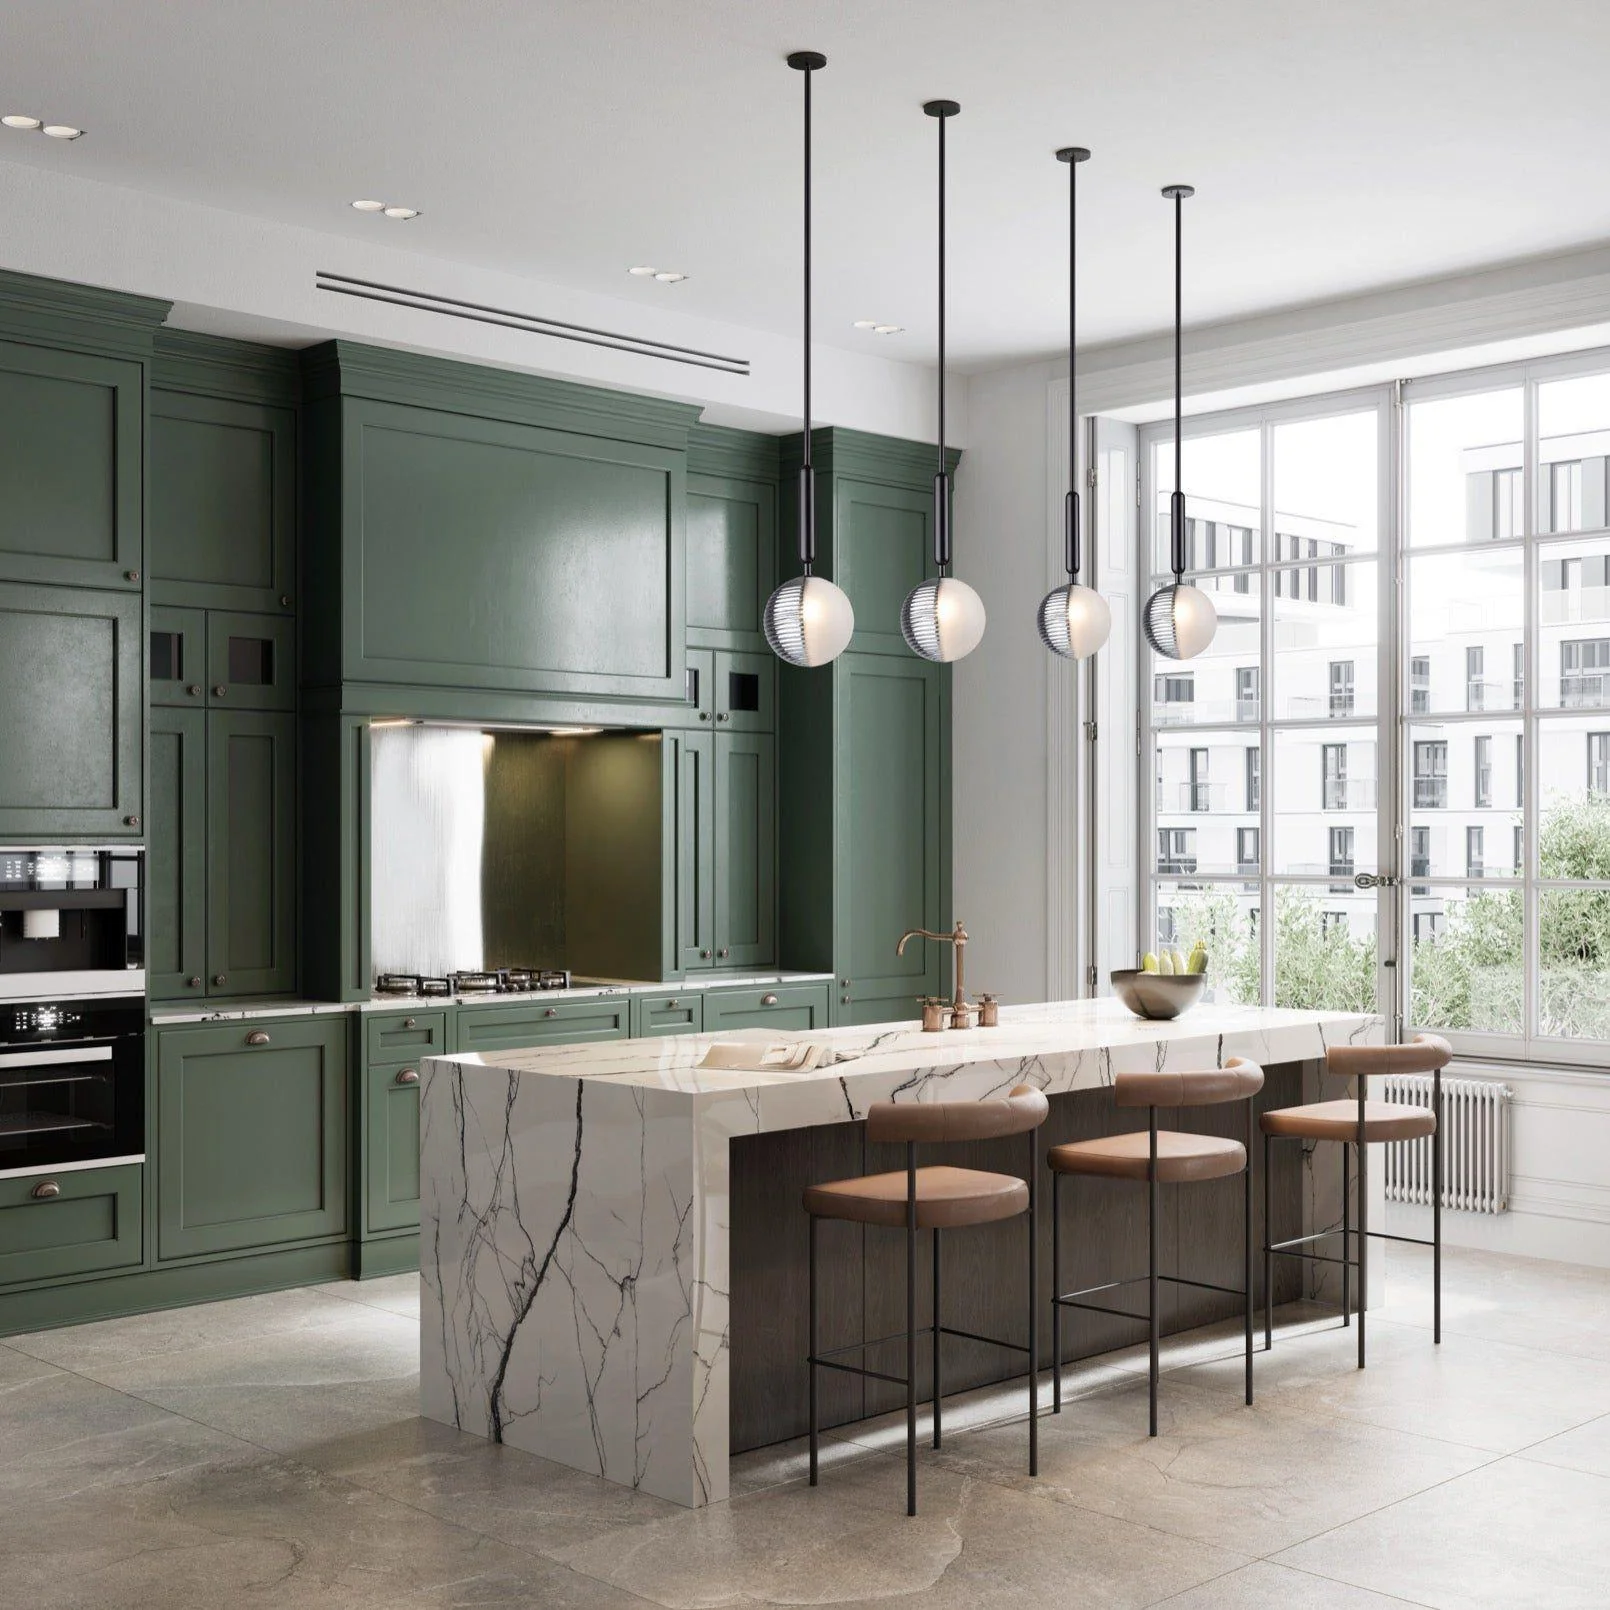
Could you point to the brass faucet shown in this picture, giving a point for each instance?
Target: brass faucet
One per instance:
(958, 938)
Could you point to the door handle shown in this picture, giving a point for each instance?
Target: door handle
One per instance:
(45, 1190)
(257, 1037)
(1369, 880)
(409, 1076)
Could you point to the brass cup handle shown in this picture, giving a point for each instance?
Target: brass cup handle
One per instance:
(408, 1076)
(257, 1037)
(45, 1190)
(768, 999)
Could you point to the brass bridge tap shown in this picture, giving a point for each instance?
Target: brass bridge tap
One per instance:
(958, 938)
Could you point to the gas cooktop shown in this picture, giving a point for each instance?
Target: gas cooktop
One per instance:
(497, 981)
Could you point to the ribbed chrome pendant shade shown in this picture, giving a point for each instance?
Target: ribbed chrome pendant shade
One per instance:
(942, 618)
(808, 621)
(1074, 620)
(1179, 619)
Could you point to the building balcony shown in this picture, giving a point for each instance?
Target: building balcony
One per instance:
(1350, 794)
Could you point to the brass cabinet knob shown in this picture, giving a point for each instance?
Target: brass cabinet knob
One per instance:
(219, 690)
(131, 821)
(44, 1190)
(844, 1000)
(552, 1011)
(723, 953)
(408, 1076)
(220, 978)
(671, 1005)
(704, 715)
(194, 690)
(131, 575)
(285, 600)
(726, 715)
(768, 1000)
(193, 983)
(257, 1037)
(704, 955)
(410, 1023)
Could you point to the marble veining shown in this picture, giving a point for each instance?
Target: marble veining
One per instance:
(576, 1207)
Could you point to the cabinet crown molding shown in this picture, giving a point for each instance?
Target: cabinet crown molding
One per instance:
(892, 460)
(88, 317)
(216, 366)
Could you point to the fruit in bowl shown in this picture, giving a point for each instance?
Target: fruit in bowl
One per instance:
(1165, 984)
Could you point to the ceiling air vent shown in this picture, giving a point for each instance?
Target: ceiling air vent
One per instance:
(450, 307)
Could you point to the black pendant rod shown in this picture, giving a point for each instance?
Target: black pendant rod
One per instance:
(942, 110)
(807, 62)
(1177, 193)
(1073, 155)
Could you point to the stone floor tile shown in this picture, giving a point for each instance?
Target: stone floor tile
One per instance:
(1587, 1447)
(1262, 1586)
(397, 1294)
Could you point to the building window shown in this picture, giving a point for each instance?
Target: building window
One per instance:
(1167, 926)
(1475, 858)
(1518, 676)
(1431, 775)
(1509, 505)
(1341, 856)
(1484, 772)
(1246, 693)
(1341, 687)
(1332, 922)
(1520, 771)
(1176, 849)
(1338, 581)
(1565, 496)
(1420, 684)
(1420, 856)
(1599, 762)
(1475, 686)
(1168, 690)
(1520, 848)
(1333, 772)
(1254, 769)
(1584, 671)
(1246, 849)
(1197, 762)
(1426, 924)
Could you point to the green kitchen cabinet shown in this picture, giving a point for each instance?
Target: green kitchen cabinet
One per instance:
(77, 1222)
(251, 852)
(177, 657)
(223, 483)
(72, 715)
(391, 1147)
(745, 849)
(794, 1007)
(71, 460)
(675, 1012)
(404, 1036)
(731, 536)
(251, 661)
(690, 792)
(176, 855)
(496, 1027)
(251, 1134)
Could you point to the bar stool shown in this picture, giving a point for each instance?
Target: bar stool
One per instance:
(1357, 1124)
(1157, 1157)
(933, 1199)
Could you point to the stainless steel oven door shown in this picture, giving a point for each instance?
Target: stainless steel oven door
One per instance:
(61, 1105)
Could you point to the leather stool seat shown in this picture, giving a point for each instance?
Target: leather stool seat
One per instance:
(1338, 1120)
(1180, 1157)
(946, 1198)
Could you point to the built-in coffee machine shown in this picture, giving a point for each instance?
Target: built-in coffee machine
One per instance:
(72, 1007)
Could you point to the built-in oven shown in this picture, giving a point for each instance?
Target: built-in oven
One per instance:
(72, 922)
(72, 1083)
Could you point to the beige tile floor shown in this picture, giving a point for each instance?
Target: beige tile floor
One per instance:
(266, 1451)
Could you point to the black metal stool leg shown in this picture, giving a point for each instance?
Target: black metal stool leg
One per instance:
(1268, 1256)
(1436, 1209)
(911, 1330)
(1056, 1292)
(1151, 1238)
(1034, 1308)
(811, 1324)
(1247, 1209)
(938, 1390)
(1347, 1235)
(1363, 1239)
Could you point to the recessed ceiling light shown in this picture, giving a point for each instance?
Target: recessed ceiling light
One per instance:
(15, 120)
(887, 329)
(670, 276)
(402, 214)
(865, 324)
(389, 208)
(369, 206)
(63, 131)
(643, 271)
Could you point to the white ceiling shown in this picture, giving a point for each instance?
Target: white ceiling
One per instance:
(1333, 149)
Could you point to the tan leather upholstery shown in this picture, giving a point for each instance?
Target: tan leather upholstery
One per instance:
(1180, 1157)
(1425, 1053)
(1338, 1120)
(940, 1121)
(1237, 1080)
(946, 1198)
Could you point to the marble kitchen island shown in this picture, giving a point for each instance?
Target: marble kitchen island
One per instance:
(611, 1233)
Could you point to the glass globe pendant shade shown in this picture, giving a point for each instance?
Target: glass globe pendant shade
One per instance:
(1180, 621)
(1074, 621)
(943, 619)
(809, 621)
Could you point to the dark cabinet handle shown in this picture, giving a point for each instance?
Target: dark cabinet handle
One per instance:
(219, 690)
(194, 690)
(285, 600)
(257, 1037)
(768, 1000)
(409, 1076)
(220, 978)
(844, 1000)
(704, 715)
(193, 983)
(704, 955)
(671, 1005)
(131, 575)
(131, 821)
(552, 1011)
(44, 1190)
(410, 1023)
(723, 953)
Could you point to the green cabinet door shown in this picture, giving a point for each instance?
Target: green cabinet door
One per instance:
(81, 1221)
(506, 1028)
(678, 1012)
(745, 692)
(71, 455)
(732, 558)
(783, 1006)
(391, 1147)
(883, 548)
(251, 853)
(745, 849)
(177, 657)
(176, 859)
(251, 662)
(72, 712)
(690, 791)
(223, 502)
(251, 1134)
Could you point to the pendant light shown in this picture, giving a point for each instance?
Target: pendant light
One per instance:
(1180, 619)
(943, 618)
(1074, 619)
(808, 620)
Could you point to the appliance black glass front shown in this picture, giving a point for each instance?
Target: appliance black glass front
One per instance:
(72, 1083)
(72, 921)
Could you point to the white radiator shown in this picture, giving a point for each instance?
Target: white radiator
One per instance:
(1475, 1141)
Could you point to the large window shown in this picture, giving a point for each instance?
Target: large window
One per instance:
(1456, 725)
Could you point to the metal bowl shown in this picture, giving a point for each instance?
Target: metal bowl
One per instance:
(1158, 995)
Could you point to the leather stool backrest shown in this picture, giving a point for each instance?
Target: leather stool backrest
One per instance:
(1237, 1080)
(1425, 1053)
(942, 1121)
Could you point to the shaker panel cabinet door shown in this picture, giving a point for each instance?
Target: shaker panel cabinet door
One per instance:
(571, 1022)
(177, 657)
(72, 713)
(790, 1007)
(176, 855)
(694, 794)
(732, 558)
(391, 1147)
(70, 468)
(251, 1134)
(251, 662)
(251, 853)
(746, 850)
